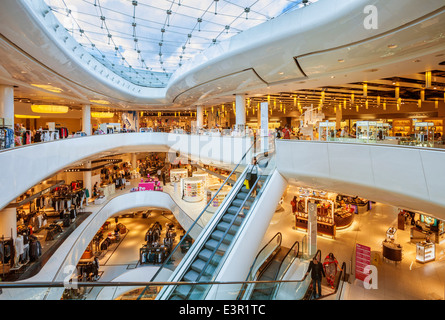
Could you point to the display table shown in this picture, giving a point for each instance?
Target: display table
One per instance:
(146, 186)
(177, 174)
(425, 252)
(108, 190)
(392, 251)
(100, 200)
(193, 189)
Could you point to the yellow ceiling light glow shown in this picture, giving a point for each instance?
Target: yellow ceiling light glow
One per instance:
(25, 116)
(47, 87)
(102, 114)
(100, 101)
(42, 108)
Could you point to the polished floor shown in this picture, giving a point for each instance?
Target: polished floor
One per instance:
(408, 280)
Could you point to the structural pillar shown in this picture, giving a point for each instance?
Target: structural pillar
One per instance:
(8, 223)
(240, 105)
(7, 105)
(87, 178)
(134, 162)
(199, 117)
(86, 119)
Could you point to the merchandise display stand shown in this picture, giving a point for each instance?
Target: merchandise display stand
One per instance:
(425, 252)
(211, 190)
(193, 189)
(202, 175)
(177, 174)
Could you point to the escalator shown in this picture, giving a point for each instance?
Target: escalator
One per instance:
(273, 269)
(205, 263)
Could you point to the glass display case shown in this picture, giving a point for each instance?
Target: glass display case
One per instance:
(327, 131)
(366, 131)
(424, 134)
(425, 251)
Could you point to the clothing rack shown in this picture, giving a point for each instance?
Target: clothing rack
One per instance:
(2, 241)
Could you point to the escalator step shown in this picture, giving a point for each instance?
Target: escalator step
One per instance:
(211, 245)
(218, 235)
(223, 226)
(198, 265)
(181, 292)
(241, 195)
(191, 276)
(244, 189)
(239, 202)
(229, 217)
(233, 209)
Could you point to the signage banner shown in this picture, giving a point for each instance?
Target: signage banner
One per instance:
(362, 259)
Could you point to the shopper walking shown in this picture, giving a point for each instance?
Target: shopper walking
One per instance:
(330, 266)
(294, 204)
(316, 270)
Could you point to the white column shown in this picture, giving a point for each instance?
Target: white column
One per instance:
(8, 222)
(199, 117)
(134, 163)
(240, 105)
(7, 104)
(86, 119)
(87, 179)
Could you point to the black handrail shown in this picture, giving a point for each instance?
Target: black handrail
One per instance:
(225, 233)
(278, 234)
(196, 220)
(256, 258)
(282, 260)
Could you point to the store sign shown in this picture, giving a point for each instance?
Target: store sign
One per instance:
(362, 261)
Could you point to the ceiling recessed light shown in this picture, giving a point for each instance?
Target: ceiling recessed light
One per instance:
(341, 60)
(392, 46)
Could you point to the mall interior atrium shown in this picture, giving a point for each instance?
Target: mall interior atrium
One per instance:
(222, 150)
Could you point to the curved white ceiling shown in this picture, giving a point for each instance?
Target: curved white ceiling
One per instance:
(259, 60)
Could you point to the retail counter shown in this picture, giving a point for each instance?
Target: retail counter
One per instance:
(108, 190)
(343, 219)
(425, 252)
(323, 228)
(417, 235)
(392, 251)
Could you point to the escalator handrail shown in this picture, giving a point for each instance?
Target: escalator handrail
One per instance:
(257, 256)
(199, 217)
(278, 234)
(225, 233)
(342, 273)
(288, 266)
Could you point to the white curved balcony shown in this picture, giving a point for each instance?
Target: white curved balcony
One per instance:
(23, 167)
(406, 177)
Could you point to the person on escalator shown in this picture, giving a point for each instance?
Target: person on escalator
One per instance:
(317, 272)
(330, 266)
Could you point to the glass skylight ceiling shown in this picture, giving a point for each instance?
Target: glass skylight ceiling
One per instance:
(145, 41)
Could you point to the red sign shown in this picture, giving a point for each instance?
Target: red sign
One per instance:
(362, 259)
